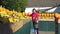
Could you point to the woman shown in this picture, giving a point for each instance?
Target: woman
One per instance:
(35, 20)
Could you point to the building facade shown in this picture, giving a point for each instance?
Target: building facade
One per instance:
(43, 3)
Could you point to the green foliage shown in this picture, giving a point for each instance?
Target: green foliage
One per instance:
(18, 5)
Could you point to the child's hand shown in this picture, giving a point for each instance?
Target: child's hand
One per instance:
(37, 21)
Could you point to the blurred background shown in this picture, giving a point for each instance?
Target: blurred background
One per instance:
(15, 16)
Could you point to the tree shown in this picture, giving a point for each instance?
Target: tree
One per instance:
(18, 5)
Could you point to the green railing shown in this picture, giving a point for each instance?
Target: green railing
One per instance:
(43, 26)
(46, 26)
(59, 28)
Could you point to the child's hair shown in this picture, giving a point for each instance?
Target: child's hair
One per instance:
(33, 9)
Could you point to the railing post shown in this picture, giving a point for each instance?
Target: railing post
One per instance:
(56, 24)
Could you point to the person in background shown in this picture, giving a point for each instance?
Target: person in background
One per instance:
(35, 17)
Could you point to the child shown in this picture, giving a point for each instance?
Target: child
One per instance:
(35, 20)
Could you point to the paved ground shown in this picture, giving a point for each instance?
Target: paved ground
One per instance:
(42, 32)
(46, 32)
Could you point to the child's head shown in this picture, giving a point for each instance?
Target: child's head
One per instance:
(34, 10)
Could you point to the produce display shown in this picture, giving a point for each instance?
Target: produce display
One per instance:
(10, 16)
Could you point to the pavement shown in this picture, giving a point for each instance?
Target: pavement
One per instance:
(42, 32)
